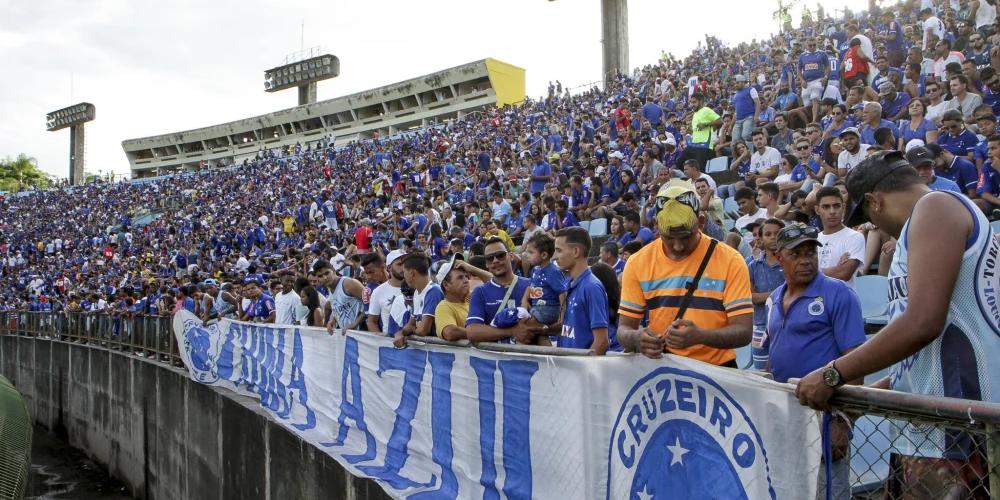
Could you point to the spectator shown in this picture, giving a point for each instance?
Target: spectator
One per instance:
(452, 311)
(309, 298)
(708, 329)
(426, 296)
(872, 113)
(943, 236)
(747, 105)
(961, 99)
(285, 302)
(958, 140)
(609, 256)
(843, 249)
(956, 169)
(854, 151)
(501, 292)
(703, 122)
(894, 104)
(923, 161)
(764, 160)
(381, 298)
(813, 320)
(545, 298)
(765, 276)
(345, 306)
(634, 230)
(586, 324)
(918, 126)
(814, 72)
(989, 187)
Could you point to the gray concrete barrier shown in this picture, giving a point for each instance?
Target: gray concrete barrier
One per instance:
(165, 435)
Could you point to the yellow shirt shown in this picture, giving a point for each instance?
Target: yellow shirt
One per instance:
(500, 233)
(655, 283)
(703, 117)
(450, 314)
(289, 224)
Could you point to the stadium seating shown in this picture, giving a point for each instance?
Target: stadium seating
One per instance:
(598, 227)
(873, 290)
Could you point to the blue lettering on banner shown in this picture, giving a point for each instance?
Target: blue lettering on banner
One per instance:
(269, 362)
(679, 434)
(411, 363)
(353, 408)
(262, 366)
(516, 377)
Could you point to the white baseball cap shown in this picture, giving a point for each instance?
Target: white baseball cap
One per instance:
(393, 255)
(447, 267)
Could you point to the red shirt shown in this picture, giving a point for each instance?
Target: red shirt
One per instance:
(363, 238)
(854, 64)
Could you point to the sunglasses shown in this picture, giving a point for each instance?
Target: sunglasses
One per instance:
(795, 232)
(802, 148)
(501, 255)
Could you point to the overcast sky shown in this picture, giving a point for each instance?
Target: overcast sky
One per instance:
(154, 67)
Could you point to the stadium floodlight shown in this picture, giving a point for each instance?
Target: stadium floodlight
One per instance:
(74, 117)
(67, 117)
(302, 74)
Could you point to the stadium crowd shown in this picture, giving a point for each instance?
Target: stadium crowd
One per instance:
(768, 174)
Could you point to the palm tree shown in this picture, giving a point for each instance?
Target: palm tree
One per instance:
(20, 173)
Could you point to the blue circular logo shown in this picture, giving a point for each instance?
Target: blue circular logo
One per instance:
(198, 346)
(681, 435)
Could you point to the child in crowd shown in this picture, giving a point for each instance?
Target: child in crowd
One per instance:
(546, 296)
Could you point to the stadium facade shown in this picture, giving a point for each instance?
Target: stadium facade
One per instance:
(386, 110)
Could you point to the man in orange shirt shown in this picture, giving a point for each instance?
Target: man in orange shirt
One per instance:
(706, 320)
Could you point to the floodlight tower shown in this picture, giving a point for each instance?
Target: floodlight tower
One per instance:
(304, 74)
(614, 37)
(73, 117)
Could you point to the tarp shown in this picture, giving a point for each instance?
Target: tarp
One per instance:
(434, 421)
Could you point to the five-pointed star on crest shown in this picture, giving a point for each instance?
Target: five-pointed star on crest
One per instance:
(644, 495)
(676, 452)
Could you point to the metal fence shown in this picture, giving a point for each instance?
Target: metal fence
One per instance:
(142, 335)
(902, 446)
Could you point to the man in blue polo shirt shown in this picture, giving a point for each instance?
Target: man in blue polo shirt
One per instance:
(747, 105)
(261, 309)
(954, 168)
(955, 137)
(923, 160)
(814, 70)
(541, 174)
(813, 320)
(489, 299)
(585, 324)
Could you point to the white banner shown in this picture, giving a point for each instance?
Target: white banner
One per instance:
(449, 422)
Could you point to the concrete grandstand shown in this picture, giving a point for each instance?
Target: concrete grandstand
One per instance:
(383, 111)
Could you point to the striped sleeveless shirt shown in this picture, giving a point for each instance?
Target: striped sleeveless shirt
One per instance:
(956, 364)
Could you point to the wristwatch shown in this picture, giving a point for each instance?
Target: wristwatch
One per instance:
(831, 376)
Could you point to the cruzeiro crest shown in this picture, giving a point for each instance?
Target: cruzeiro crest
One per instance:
(680, 435)
(199, 348)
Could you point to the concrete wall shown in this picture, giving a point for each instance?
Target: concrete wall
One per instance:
(165, 435)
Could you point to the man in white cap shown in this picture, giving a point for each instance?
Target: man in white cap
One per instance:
(380, 302)
(854, 152)
(451, 313)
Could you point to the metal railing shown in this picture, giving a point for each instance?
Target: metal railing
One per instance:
(902, 445)
(143, 335)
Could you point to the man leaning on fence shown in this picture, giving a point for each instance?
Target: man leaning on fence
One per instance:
(942, 337)
(813, 319)
(695, 290)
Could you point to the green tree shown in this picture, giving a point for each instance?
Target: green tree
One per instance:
(22, 173)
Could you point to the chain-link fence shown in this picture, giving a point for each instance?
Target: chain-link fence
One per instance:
(901, 445)
(907, 446)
